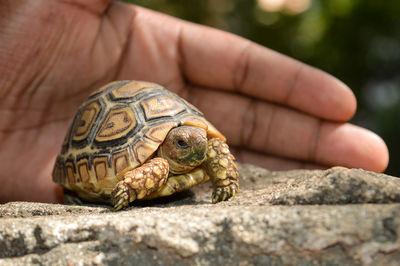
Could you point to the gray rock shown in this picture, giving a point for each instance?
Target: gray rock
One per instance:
(333, 217)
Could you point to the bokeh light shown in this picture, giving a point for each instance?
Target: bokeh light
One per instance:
(286, 6)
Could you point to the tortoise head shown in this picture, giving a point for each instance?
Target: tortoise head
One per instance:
(184, 148)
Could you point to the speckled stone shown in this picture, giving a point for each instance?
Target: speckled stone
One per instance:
(335, 217)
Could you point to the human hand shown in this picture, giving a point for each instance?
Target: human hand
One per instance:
(275, 111)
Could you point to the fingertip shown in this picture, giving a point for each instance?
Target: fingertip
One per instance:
(348, 101)
(352, 146)
(382, 153)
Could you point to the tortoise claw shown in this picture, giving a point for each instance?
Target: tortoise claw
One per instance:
(119, 205)
(118, 193)
(221, 168)
(223, 193)
(139, 183)
(120, 197)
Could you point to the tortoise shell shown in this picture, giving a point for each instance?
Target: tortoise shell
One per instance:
(117, 129)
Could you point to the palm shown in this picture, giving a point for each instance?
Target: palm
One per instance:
(56, 53)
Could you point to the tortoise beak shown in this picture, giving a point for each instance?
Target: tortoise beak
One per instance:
(196, 157)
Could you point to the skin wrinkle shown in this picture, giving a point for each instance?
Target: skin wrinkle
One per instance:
(45, 116)
(73, 96)
(177, 82)
(180, 59)
(271, 115)
(181, 55)
(49, 108)
(56, 47)
(21, 69)
(39, 79)
(126, 44)
(37, 82)
(52, 112)
(291, 88)
(190, 94)
(97, 13)
(12, 77)
(125, 47)
(179, 51)
(242, 68)
(10, 131)
(182, 66)
(56, 99)
(97, 38)
(312, 154)
(249, 120)
(23, 65)
(181, 62)
(121, 39)
(157, 49)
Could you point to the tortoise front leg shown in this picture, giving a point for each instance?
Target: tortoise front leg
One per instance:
(140, 182)
(178, 183)
(221, 168)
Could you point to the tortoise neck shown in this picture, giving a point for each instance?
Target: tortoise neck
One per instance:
(174, 167)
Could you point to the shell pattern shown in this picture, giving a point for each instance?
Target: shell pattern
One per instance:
(118, 128)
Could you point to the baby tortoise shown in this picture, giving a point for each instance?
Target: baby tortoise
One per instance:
(134, 140)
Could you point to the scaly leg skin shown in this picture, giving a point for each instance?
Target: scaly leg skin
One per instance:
(177, 183)
(140, 182)
(221, 168)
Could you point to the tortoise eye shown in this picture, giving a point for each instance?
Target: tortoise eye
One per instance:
(182, 144)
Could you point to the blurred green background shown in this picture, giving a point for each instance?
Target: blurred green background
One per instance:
(357, 41)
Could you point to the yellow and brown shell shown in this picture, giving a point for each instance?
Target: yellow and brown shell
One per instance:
(117, 129)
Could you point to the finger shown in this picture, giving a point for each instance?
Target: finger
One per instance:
(353, 146)
(277, 130)
(271, 162)
(216, 59)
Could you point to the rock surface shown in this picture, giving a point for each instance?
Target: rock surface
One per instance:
(333, 217)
